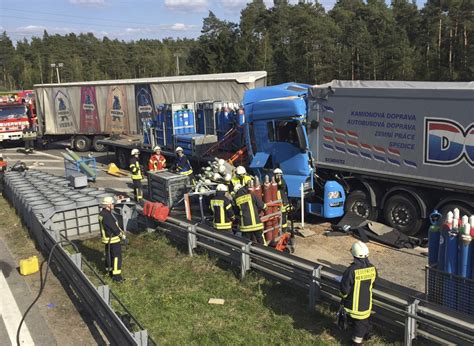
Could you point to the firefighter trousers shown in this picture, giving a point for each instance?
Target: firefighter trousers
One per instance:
(255, 236)
(113, 259)
(137, 189)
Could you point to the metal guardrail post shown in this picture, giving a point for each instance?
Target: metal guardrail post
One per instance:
(245, 260)
(104, 293)
(141, 338)
(77, 260)
(315, 287)
(192, 239)
(410, 323)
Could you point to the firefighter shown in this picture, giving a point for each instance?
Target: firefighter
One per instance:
(157, 161)
(222, 209)
(112, 235)
(282, 194)
(182, 164)
(137, 175)
(356, 290)
(249, 208)
(241, 177)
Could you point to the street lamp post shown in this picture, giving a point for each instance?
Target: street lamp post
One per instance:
(57, 66)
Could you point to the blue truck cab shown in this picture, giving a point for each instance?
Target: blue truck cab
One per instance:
(276, 136)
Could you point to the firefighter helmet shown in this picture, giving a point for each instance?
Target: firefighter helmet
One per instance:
(179, 149)
(360, 250)
(277, 171)
(107, 200)
(241, 170)
(157, 148)
(222, 187)
(135, 151)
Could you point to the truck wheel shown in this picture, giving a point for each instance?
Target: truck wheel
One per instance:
(358, 202)
(82, 143)
(402, 212)
(463, 209)
(98, 147)
(122, 157)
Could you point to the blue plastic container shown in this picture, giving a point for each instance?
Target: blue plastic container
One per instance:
(191, 128)
(200, 123)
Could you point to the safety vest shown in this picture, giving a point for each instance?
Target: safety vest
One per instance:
(107, 234)
(135, 169)
(242, 180)
(222, 210)
(357, 282)
(183, 166)
(156, 162)
(249, 207)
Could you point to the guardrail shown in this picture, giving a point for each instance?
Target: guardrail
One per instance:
(406, 313)
(410, 315)
(96, 300)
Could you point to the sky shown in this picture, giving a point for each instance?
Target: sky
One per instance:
(122, 19)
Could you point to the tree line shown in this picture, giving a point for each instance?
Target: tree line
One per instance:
(356, 39)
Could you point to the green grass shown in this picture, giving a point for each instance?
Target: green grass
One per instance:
(168, 292)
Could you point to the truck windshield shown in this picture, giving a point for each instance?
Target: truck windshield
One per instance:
(285, 131)
(12, 113)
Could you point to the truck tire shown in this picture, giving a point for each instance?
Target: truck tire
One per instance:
(98, 147)
(358, 202)
(82, 143)
(122, 156)
(403, 213)
(463, 209)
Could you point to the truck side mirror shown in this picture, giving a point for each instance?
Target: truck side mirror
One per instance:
(314, 124)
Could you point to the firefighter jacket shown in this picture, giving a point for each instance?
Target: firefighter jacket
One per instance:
(249, 207)
(156, 162)
(356, 288)
(242, 180)
(135, 169)
(282, 192)
(183, 166)
(109, 228)
(221, 207)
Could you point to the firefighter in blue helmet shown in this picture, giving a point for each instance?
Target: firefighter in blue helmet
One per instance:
(137, 175)
(356, 290)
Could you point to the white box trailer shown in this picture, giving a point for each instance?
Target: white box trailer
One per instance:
(87, 112)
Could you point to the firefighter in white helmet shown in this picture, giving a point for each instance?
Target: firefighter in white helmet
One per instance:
(182, 164)
(111, 234)
(157, 161)
(137, 175)
(222, 210)
(240, 177)
(356, 290)
(282, 193)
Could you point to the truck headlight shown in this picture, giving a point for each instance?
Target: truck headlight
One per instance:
(334, 194)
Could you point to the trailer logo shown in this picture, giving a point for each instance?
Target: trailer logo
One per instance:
(64, 113)
(448, 143)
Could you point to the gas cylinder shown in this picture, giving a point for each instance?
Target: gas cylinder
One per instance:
(267, 197)
(464, 263)
(450, 285)
(447, 225)
(274, 194)
(433, 237)
(258, 189)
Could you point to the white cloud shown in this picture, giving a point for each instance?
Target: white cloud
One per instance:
(88, 2)
(187, 5)
(232, 5)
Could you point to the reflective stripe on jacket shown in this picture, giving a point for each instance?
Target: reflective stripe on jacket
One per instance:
(135, 169)
(221, 207)
(156, 162)
(109, 228)
(242, 180)
(249, 208)
(183, 166)
(356, 288)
